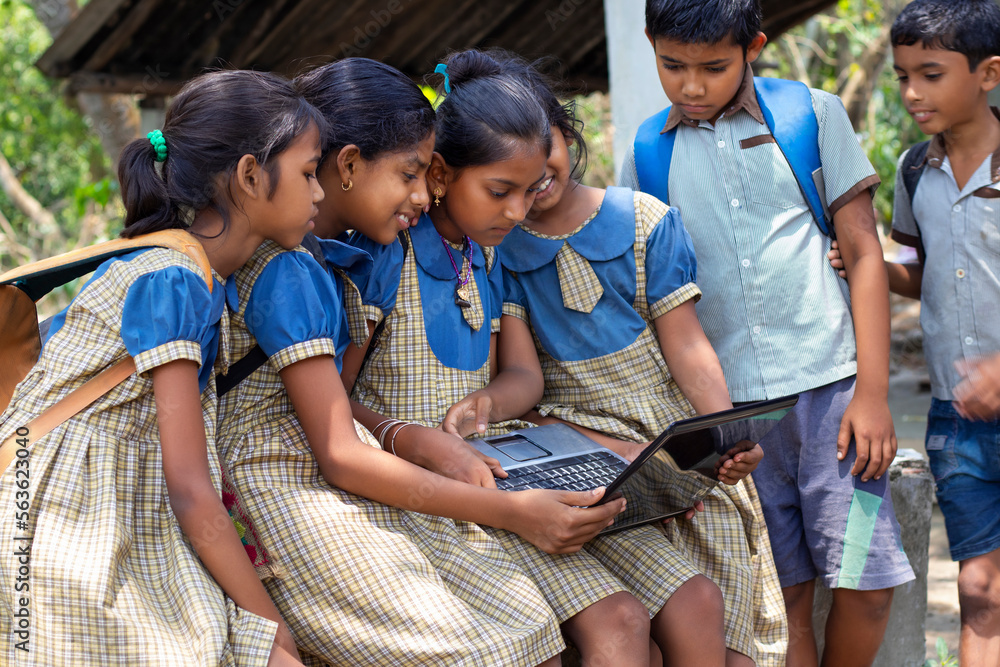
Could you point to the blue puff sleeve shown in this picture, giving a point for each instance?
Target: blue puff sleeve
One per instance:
(382, 283)
(294, 311)
(170, 314)
(671, 267)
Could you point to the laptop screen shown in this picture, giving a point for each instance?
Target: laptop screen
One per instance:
(679, 467)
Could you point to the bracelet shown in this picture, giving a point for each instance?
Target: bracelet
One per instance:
(387, 424)
(392, 441)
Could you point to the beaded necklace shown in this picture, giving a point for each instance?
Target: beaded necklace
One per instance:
(462, 286)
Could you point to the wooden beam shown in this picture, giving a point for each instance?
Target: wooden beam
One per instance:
(57, 59)
(131, 84)
(256, 34)
(121, 35)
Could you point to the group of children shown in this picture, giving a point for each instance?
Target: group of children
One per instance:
(460, 281)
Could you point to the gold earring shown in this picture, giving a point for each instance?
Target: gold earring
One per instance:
(437, 196)
(350, 184)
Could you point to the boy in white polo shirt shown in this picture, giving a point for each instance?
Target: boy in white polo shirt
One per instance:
(947, 56)
(776, 313)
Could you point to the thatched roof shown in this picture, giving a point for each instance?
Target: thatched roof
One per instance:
(153, 46)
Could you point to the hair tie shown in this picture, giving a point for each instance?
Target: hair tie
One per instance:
(442, 68)
(159, 144)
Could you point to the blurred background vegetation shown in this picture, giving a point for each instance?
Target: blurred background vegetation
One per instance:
(59, 191)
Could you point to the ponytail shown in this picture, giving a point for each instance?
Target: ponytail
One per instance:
(147, 202)
(489, 115)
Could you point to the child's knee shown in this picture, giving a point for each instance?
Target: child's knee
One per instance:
(699, 597)
(979, 590)
(619, 618)
(871, 605)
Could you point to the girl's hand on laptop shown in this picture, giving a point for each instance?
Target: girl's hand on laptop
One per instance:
(451, 456)
(560, 522)
(470, 416)
(739, 462)
(698, 507)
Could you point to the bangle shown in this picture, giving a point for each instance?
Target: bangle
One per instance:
(387, 423)
(392, 440)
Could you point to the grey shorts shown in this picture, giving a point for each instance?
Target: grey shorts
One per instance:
(822, 520)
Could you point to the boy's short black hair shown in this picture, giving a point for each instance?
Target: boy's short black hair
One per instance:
(704, 21)
(970, 27)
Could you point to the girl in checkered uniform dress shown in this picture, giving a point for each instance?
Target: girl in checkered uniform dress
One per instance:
(133, 558)
(360, 579)
(606, 281)
(440, 342)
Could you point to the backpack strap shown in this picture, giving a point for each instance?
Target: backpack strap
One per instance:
(912, 169)
(796, 132)
(652, 150)
(256, 357)
(39, 278)
(42, 277)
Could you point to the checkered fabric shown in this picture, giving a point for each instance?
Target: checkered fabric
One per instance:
(403, 379)
(358, 582)
(630, 395)
(113, 579)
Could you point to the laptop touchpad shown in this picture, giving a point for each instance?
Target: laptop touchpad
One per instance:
(518, 448)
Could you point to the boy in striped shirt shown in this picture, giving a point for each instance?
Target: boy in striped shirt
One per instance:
(782, 322)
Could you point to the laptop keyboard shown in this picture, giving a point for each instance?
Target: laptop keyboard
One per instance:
(575, 473)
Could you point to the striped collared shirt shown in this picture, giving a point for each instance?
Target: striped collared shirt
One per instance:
(960, 289)
(777, 314)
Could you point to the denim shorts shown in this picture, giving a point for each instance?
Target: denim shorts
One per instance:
(822, 520)
(965, 460)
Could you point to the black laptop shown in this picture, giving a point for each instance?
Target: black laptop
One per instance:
(673, 473)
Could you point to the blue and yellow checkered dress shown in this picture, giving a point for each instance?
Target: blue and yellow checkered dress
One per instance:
(616, 380)
(360, 582)
(405, 379)
(113, 579)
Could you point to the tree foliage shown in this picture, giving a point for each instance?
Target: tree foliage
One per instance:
(53, 152)
(846, 51)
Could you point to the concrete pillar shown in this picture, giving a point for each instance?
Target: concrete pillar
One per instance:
(912, 492)
(634, 86)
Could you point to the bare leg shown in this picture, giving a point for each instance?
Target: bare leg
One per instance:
(979, 601)
(802, 651)
(690, 629)
(737, 659)
(856, 626)
(614, 631)
(554, 661)
(655, 657)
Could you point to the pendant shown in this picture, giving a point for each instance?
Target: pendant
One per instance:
(462, 296)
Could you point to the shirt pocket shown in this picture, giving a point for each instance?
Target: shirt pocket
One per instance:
(768, 175)
(986, 223)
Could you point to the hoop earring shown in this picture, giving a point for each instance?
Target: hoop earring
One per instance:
(346, 188)
(437, 196)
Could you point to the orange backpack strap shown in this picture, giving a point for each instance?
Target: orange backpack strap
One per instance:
(41, 277)
(59, 412)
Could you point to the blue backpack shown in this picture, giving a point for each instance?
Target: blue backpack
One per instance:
(796, 131)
